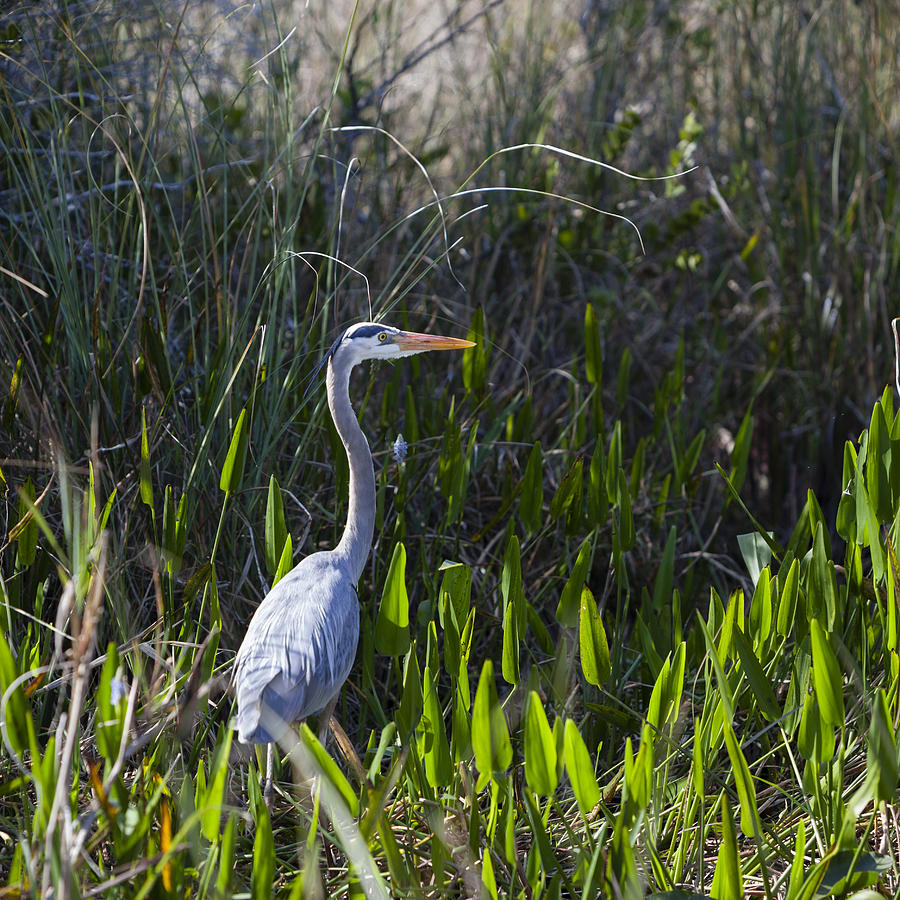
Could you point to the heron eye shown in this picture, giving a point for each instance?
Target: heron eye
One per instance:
(382, 337)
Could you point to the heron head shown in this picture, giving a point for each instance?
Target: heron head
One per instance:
(371, 340)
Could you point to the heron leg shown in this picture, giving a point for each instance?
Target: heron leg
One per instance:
(325, 719)
(270, 768)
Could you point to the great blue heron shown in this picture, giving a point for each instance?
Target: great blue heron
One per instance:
(301, 641)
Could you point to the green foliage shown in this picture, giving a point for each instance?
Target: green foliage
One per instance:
(555, 546)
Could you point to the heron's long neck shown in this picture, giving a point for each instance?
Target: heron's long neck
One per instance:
(356, 541)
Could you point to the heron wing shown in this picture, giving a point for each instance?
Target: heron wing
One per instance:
(298, 649)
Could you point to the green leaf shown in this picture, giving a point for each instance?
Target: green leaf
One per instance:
(226, 858)
(581, 771)
(593, 355)
(626, 518)
(455, 592)
(510, 659)
(490, 734)
(726, 883)
(145, 478)
(233, 470)
(511, 579)
(286, 562)
(878, 460)
(750, 824)
(760, 685)
(276, 530)
(330, 769)
(724, 688)
(598, 500)
(540, 749)
(569, 489)
(263, 875)
(411, 702)
(756, 551)
(787, 600)
(211, 814)
(570, 600)
(531, 503)
(595, 662)
(475, 359)
(111, 704)
(827, 678)
(665, 575)
(434, 747)
(882, 764)
(392, 624)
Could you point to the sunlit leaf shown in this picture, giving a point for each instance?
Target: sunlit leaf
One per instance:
(540, 748)
(392, 624)
(595, 662)
(233, 469)
(580, 769)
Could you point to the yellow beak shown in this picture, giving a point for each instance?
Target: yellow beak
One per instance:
(410, 340)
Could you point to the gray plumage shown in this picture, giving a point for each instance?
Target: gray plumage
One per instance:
(301, 642)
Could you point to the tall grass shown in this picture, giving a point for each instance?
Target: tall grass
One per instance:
(573, 677)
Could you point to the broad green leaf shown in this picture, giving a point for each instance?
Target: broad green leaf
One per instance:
(580, 769)
(226, 858)
(455, 592)
(815, 737)
(882, 763)
(614, 460)
(568, 494)
(531, 503)
(411, 702)
(594, 648)
(276, 530)
(750, 824)
(540, 749)
(598, 500)
(510, 655)
(626, 518)
(233, 469)
(262, 876)
(822, 585)
(490, 734)
(878, 460)
(434, 748)
(511, 580)
(286, 562)
(756, 551)
(760, 685)
(787, 600)
(392, 624)
(475, 359)
(569, 601)
(211, 815)
(726, 883)
(827, 678)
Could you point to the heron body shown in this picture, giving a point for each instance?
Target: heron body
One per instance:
(301, 641)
